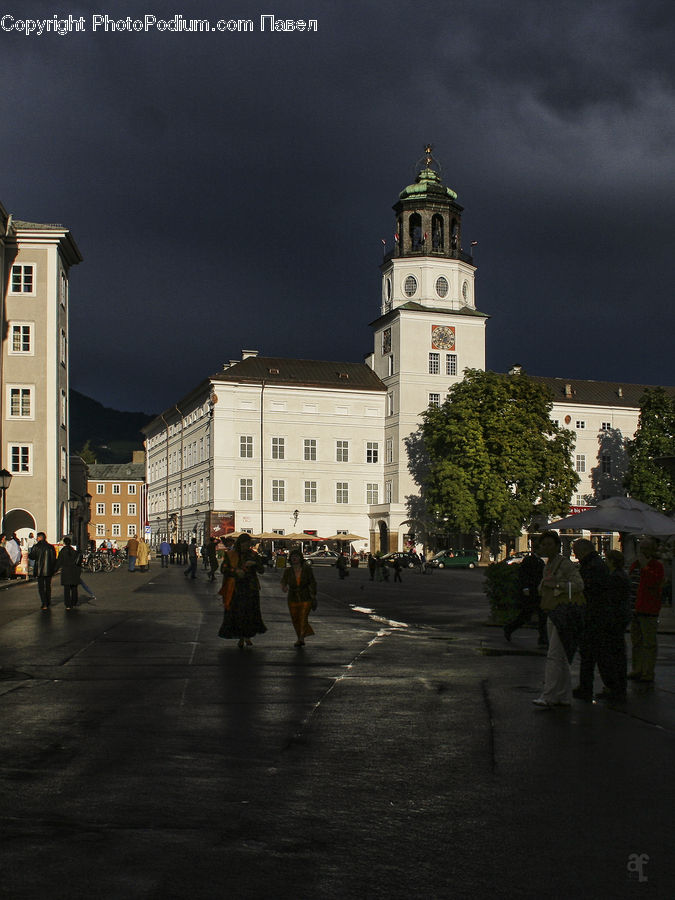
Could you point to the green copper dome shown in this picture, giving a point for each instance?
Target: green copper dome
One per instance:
(428, 184)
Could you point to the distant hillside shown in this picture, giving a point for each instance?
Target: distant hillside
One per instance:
(112, 435)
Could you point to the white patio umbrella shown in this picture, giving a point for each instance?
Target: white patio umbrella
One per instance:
(620, 514)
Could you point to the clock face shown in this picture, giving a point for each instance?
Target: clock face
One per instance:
(442, 337)
(386, 341)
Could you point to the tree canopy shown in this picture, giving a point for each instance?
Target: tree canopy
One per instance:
(655, 436)
(493, 456)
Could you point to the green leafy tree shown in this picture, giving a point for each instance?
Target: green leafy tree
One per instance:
(655, 436)
(492, 456)
(87, 454)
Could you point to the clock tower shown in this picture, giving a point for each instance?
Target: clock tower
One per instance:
(428, 330)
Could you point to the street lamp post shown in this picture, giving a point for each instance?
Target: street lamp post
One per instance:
(5, 481)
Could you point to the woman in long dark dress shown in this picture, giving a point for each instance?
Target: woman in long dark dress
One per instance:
(242, 618)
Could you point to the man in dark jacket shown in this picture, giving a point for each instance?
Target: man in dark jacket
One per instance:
(598, 620)
(43, 555)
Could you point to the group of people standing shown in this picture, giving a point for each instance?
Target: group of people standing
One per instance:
(242, 618)
(588, 607)
(46, 563)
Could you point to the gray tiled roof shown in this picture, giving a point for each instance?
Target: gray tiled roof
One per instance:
(299, 372)
(117, 472)
(596, 393)
(36, 226)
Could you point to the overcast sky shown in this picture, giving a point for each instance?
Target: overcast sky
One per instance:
(231, 190)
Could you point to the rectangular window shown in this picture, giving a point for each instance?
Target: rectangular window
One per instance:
(20, 459)
(117, 509)
(100, 531)
(116, 489)
(63, 348)
(372, 493)
(580, 463)
(23, 279)
(450, 363)
(390, 403)
(100, 489)
(131, 489)
(606, 463)
(342, 492)
(100, 509)
(64, 464)
(342, 451)
(246, 446)
(278, 490)
(372, 451)
(117, 530)
(434, 363)
(310, 492)
(434, 399)
(390, 367)
(20, 402)
(246, 489)
(21, 338)
(606, 426)
(387, 492)
(581, 424)
(278, 448)
(131, 509)
(390, 450)
(64, 409)
(131, 531)
(310, 448)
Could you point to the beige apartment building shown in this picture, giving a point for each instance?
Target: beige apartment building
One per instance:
(117, 501)
(35, 262)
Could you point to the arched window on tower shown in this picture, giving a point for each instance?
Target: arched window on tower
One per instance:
(415, 231)
(437, 238)
(455, 235)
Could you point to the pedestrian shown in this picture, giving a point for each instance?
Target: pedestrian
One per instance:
(165, 553)
(619, 619)
(68, 562)
(650, 576)
(174, 550)
(43, 557)
(242, 618)
(211, 557)
(143, 555)
(372, 566)
(299, 583)
(191, 570)
(132, 552)
(562, 597)
(529, 575)
(593, 644)
(397, 569)
(341, 565)
(30, 543)
(6, 565)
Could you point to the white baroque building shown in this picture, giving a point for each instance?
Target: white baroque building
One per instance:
(290, 445)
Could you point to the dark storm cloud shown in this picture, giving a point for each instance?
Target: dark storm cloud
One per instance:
(232, 191)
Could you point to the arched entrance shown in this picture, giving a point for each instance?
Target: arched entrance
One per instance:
(18, 520)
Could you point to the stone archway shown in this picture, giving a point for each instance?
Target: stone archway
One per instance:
(16, 520)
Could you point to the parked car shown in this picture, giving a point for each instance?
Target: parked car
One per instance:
(454, 559)
(517, 557)
(322, 558)
(407, 562)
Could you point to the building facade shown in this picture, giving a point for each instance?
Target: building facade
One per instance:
(34, 393)
(117, 501)
(300, 446)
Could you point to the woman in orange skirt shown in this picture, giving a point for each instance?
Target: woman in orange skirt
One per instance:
(299, 582)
